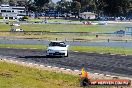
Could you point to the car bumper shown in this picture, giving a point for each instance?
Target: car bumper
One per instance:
(56, 53)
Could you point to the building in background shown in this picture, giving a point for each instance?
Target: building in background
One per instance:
(87, 15)
(12, 12)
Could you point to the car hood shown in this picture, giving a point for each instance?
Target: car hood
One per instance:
(57, 48)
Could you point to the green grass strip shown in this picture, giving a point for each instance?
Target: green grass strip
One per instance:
(22, 46)
(102, 49)
(96, 49)
(15, 76)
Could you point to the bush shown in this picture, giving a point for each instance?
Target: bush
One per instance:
(25, 17)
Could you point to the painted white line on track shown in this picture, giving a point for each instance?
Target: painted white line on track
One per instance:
(101, 74)
(33, 48)
(76, 51)
(24, 48)
(56, 67)
(108, 75)
(96, 73)
(62, 68)
(5, 59)
(30, 63)
(23, 62)
(41, 65)
(112, 54)
(49, 66)
(123, 55)
(68, 70)
(90, 52)
(11, 60)
(13, 57)
(76, 70)
(35, 64)
(114, 76)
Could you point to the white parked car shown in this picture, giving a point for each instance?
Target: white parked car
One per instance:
(102, 23)
(17, 30)
(17, 25)
(57, 48)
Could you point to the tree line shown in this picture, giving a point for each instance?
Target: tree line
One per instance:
(104, 7)
(100, 7)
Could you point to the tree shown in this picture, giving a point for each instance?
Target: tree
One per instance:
(101, 5)
(12, 2)
(87, 5)
(30, 6)
(107, 7)
(63, 6)
(21, 3)
(51, 5)
(0, 1)
(117, 7)
(40, 4)
(4, 1)
(76, 6)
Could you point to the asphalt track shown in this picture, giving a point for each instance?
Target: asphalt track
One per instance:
(102, 63)
(71, 43)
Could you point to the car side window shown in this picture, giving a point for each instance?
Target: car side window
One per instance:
(51, 44)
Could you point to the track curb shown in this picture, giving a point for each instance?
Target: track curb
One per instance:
(53, 68)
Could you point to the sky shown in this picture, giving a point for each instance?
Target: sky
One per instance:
(58, 0)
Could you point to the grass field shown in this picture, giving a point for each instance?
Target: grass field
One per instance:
(102, 49)
(68, 28)
(15, 76)
(75, 28)
(94, 49)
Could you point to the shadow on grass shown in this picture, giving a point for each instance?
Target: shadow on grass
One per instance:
(40, 56)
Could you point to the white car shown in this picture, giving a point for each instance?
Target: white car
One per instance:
(57, 48)
(17, 30)
(102, 23)
(17, 25)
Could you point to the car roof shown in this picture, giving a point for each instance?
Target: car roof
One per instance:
(56, 41)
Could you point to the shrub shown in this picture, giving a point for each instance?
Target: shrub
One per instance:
(1, 17)
(25, 17)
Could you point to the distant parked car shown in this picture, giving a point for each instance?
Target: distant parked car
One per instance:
(14, 24)
(17, 30)
(21, 19)
(120, 33)
(102, 23)
(87, 23)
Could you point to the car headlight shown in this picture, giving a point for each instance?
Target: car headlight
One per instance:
(49, 50)
(63, 50)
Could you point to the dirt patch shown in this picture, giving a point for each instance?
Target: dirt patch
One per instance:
(5, 73)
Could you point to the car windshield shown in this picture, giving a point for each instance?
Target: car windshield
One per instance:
(61, 44)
